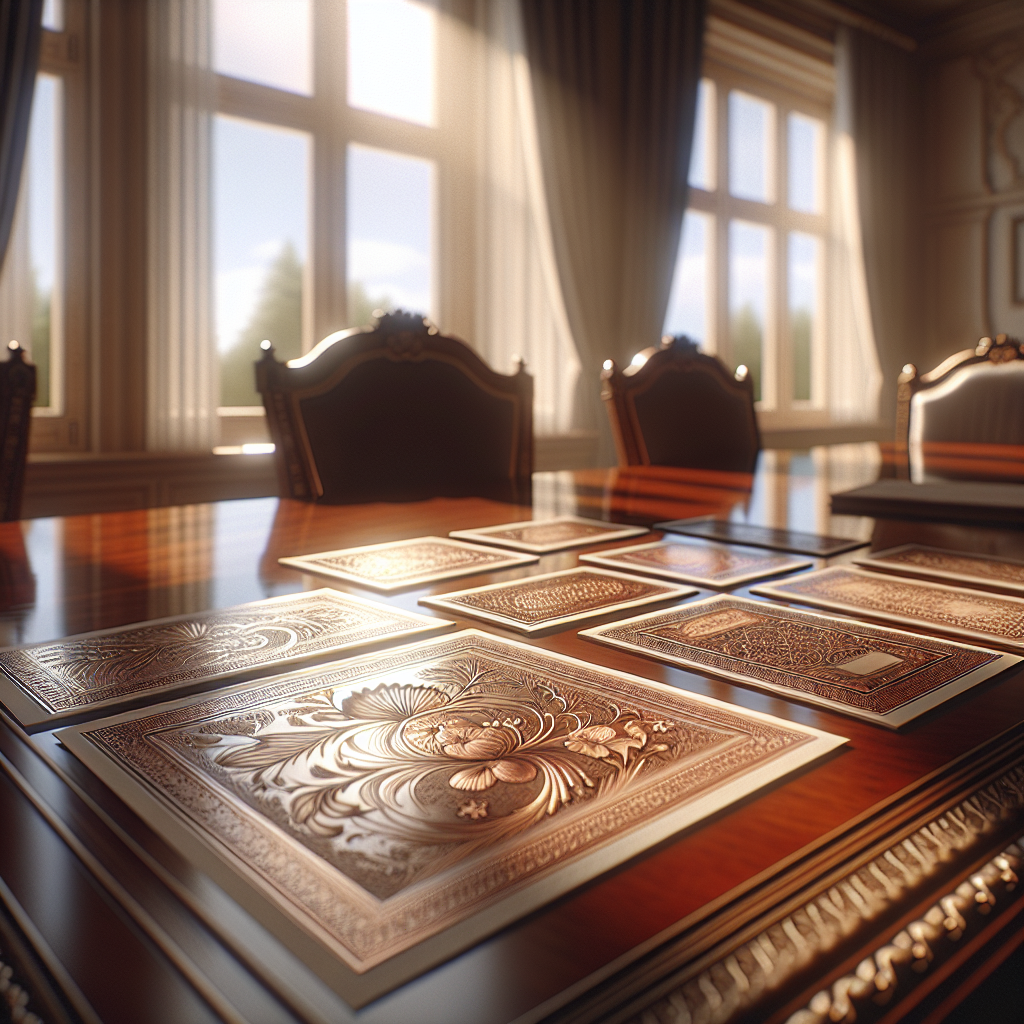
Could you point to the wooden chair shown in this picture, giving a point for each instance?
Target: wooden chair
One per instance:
(677, 407)
(975, 397)
(397, 412)
(17, 393)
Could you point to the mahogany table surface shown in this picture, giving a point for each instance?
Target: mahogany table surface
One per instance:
(142, 936)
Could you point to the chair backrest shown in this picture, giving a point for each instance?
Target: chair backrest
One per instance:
(397, 412)
(975, 396)
(675, 406)
(17, 393)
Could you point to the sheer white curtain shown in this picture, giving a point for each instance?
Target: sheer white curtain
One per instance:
(876, 226)
(519, 311)
(182, 365)
(855, 376)
(16, 287)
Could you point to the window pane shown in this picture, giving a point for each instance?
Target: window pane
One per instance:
(702, 167)
(53, 15)
(391, 52)
(688, 304)
(804, 253)
(806, 136)
(751, 123)
(390, 233)
(748, 296)
(43, 178)
(265, 41)
(261, 202)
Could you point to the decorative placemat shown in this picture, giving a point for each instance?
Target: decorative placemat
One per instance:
(543, 535)
(707, 565)
(957, 566)
(395, 808)
(728, 532)
(556, 599)
(883, 675)
(954, 610)
(94, 671)
(407, 563)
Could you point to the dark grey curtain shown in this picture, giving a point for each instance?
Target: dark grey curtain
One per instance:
(879, 102)
(20, 33)
(615, 89)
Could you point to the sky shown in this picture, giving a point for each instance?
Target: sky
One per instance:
(42, 169)
(751, 123)
(262, 173)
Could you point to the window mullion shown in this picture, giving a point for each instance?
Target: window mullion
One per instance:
(723, 335)
(331, 133)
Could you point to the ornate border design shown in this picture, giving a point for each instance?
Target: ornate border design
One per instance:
(99, 670)
(956, 566)
(563, 532)
(803, 655)
(438, 558)
(935, 606)
(556, 599)
(720, 567)
(151, 758)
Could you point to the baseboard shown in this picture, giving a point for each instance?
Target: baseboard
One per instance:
(67, 485)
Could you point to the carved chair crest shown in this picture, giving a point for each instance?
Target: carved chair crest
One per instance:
(974, 396)
(676, 406)
(17, 393)
(347, 428)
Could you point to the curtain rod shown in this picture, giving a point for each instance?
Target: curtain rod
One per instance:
(840, 13)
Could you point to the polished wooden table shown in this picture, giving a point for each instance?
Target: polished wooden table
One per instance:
(102, 920)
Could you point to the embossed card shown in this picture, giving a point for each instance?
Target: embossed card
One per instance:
(884, 675)
(93, 671)
(543, 535)
(556, 599)
(407, 563)
(385, 812)
(955, 566)
(991, 618)
(707, 565)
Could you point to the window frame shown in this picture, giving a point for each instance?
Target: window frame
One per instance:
(64, 424)
(333, 125)
(793, 82)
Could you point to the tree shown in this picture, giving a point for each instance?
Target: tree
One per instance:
(745, 330)
(278, 318)
(361, 307)
(800, 333)
(41, 340)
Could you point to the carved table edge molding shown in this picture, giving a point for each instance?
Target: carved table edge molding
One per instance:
(704, 947)
(33, 983)
(114, 887)
(732, 984)
(16, 989)
(918, 945)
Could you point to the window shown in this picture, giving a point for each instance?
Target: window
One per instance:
(749, 281)
(328, 176)
(40, 286)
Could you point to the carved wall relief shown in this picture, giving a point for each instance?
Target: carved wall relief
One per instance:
(1001, 70)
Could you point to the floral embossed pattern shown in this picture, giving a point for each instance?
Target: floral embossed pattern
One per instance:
(849, 665)
(407, 563)
(955, 610)
(708, 565)
(96, 669)
(550, 534)
(918, 560)
(426, 784)
(556, 599)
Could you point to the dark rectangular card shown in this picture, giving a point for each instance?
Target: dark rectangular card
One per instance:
(762, 536)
